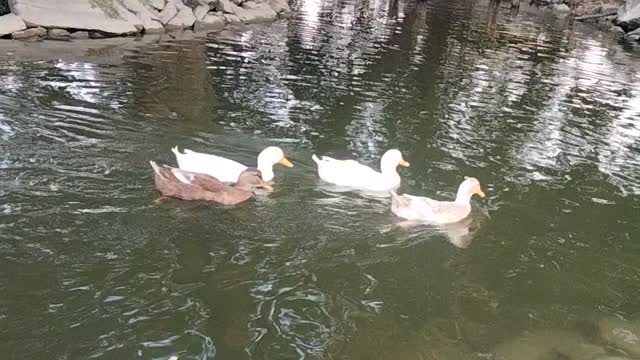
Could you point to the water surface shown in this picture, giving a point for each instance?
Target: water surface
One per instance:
(542, 111)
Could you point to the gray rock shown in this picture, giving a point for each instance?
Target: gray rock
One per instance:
(633, 35)
(623, 334)
(10, 24)
(201, 11)
(232, 19)
(228, 7)
(211, 22)
(77, 14)
(58, 34)
(562, 8)
(156, 4)
(280, 6)
(149, 20)
(259, 13)
(237, 2)
(177, 16)
(32, 33)
(629, 15)
(79, 35)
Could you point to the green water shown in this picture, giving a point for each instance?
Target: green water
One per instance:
(545, 113)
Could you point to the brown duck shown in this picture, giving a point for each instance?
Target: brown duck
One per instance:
(187, 185)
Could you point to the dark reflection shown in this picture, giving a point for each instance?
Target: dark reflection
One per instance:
(544, 114)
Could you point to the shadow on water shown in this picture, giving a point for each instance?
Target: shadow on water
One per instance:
(544, 112)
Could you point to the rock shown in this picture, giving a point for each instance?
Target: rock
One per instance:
(38, 32)
(548, 344)
(177, 16)
(628, 16)
(562, 8)
(259, 13)
(156, 4)
(228, 7)
(237, 2)
(80, 35)
(211, 22)
(201, 11)
(280, 6)
(232, 19)
(10, 24)
(633, 35)
(77, 14)
(58, 34)
(149, 20)
(625, 335)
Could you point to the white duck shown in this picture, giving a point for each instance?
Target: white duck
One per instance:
(353, 174)
(433, 211)
(227, 170)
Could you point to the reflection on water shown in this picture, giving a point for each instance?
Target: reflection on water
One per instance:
(544, 112)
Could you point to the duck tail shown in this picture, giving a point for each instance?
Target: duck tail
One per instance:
(316, 159)
(176, 151)
(155, 167)
(398, 199)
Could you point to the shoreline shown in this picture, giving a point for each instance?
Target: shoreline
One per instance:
(34, 20)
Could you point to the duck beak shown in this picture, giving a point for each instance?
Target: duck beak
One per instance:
(284, 161)
(265, 186)
(480, 193)
(404, 163)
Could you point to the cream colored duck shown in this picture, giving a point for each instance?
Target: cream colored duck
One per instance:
(433, 211)
(351, 173)
(227, 170)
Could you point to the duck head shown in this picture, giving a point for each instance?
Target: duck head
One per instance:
(250, 178)
(468, 188)
(391, 159)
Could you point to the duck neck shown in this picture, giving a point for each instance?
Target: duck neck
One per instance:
(242, 185)
(389, 170)
(463, 197)
(266, 169)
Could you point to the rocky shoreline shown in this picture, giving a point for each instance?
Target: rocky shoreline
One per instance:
(619, 16)
(83, 19)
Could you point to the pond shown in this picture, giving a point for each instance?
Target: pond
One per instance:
(544, 112)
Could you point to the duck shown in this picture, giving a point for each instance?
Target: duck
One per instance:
(351, 173)
(188, 185)
(424, 209)
(227, 170)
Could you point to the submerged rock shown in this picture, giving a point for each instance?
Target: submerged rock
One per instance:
(10, 24)
(33, 33)
(629, 15)
(623, 334)
(548, 344)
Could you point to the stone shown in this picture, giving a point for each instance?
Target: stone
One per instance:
(10, 24)
(237, 2)
(177, 16)
(628, 16)
(259, 13)
(232, 19)
(280, 6)
(79, 35)
(58, 34)
(210, 22)
(622, 334)
(228, 7)
(149, 21)
(201, 11)
(38, 32)
(109, 17)
(562, 8)
(633, 35)
(156, 4)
